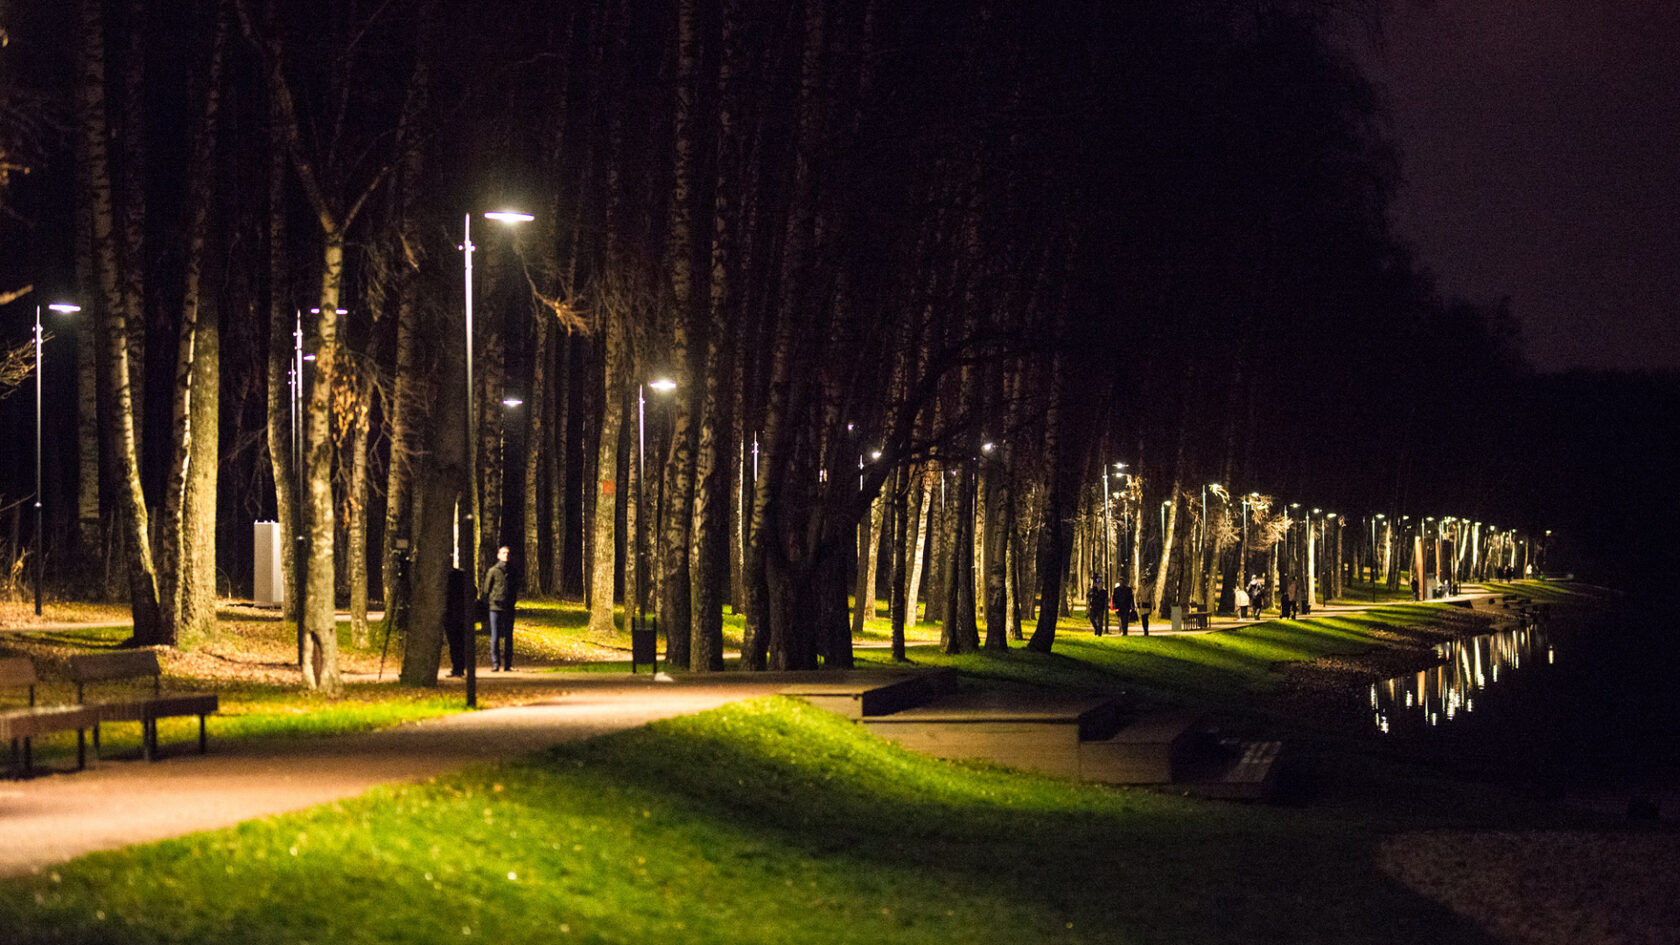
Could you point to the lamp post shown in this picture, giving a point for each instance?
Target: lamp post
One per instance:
(1312, 563)
(660, 385)
(64, 308)
(468, 513)
(1119, 535)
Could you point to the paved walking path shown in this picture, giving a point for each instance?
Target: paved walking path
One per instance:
(113, 804)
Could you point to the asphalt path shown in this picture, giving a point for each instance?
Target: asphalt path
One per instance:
(115, 803)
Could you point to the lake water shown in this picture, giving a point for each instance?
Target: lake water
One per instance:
(1586, 707)
(1468, 668)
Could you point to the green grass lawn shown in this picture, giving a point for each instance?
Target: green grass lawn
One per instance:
(770, 821)
(1223, 668)
(766, 822)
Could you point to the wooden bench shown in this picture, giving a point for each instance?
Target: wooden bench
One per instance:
(1197, 617)
(23, 723)
(132, 704)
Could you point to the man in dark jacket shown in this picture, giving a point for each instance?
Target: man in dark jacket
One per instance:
(1096, 603)
(501, 594)
(1124, 604)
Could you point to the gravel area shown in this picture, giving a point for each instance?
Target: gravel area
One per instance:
(1548, 887)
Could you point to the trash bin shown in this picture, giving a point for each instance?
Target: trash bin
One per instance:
(644, 643)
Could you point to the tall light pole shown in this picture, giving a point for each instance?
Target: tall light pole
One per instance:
(40, 549)
(465, 542)
(662, 385)
(1119, 543)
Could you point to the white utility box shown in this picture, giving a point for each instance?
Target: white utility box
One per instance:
(269, 589)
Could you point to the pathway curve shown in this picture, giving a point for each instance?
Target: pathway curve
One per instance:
(113, 804)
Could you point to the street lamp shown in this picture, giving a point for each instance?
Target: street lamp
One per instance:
(64, 308)
(468, 513)
(661, 385)
(1119, 535)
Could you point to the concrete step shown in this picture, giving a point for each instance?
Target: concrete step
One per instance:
(1082, 736)
(1152, 749)
(1232, 768)
(859, 694)
(1038, 730)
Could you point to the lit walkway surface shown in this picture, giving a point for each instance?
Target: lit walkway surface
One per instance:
(117, 803)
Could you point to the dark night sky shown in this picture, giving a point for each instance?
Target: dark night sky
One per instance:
(1541, 145)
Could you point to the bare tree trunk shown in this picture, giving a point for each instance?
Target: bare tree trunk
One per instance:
(920, 512)
(131, 197)
(559, 492)
(959, 633)
(356, 514)
(402, 398)
(897, 515)
(399, 474)
(1054, 536)
(996, 537)
(865, 587)
(320, 628)
(142, 575)
(604, 563)
(191, 380)
(1159, 597)
(536, 448)
(711, 498)
(871, 564)
(282, 411)
(198, 576)
(89, 533)
(438, 473)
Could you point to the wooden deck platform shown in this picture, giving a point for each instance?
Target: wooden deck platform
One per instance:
(857, 694)
(1084, 736)
(1036, 730)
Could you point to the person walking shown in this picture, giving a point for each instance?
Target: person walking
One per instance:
(1125, 606)
(1096, 605)
(501, 595)
(1286, 597)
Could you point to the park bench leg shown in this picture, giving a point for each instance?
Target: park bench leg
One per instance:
(81, 749)
(96, 741)
(203, 741)
(147, 751)
(28, 756)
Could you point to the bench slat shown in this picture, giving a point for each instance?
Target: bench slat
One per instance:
(40, 720)
(118, 664)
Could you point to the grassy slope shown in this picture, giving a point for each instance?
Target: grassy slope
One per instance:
(773, 822)
(761, 822)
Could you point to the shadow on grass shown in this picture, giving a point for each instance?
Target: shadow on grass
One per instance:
(766, 821)
(1137, 865)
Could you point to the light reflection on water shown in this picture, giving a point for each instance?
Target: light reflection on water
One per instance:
(1439, 694)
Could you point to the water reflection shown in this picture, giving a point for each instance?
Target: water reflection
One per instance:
(1440, 693)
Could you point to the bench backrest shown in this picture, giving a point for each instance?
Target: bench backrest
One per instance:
(118, 664)
(17, 671)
